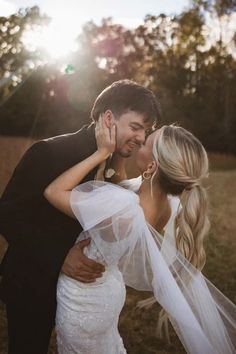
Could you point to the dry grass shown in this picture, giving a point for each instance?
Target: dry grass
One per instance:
(138, 327)
(11, 150)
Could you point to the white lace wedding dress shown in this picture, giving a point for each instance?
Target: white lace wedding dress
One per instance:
(88, 314)
(136, 255)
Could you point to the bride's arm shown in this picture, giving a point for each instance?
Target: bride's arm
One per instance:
(58, 192)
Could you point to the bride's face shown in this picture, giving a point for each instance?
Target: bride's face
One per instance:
(144, 154)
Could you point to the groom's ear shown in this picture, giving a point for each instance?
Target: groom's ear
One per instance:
(109, 118)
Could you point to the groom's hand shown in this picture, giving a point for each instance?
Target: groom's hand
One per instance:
(80, 267)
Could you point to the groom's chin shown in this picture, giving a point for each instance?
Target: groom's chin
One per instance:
(123, 153)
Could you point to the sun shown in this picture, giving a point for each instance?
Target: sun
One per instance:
(56, 40)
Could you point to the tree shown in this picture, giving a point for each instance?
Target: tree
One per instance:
(16, 61)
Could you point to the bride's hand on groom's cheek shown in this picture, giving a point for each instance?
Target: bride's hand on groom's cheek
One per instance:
(80, 267)
(105, 136)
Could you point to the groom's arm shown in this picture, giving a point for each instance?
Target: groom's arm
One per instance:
(29, 179)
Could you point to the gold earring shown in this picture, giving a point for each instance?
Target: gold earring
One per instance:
(146, 175)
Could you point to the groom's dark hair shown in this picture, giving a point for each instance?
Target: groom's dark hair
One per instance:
(125, 95)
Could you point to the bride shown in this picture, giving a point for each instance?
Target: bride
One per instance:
(125, 226)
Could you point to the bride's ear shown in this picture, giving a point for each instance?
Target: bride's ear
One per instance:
(152, 167)
(109, 118)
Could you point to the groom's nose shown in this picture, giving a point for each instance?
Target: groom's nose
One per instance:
(140, 137)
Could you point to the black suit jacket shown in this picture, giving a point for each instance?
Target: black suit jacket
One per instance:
(39, 235)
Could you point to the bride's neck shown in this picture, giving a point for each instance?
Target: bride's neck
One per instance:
(155, 204)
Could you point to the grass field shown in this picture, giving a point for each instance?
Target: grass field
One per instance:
(138, 327)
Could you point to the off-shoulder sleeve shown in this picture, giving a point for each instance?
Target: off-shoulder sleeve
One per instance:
(113, 218)
(95, 201)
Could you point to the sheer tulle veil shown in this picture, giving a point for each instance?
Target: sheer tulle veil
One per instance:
(203, 318)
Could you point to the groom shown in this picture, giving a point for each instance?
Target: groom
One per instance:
(41, 238)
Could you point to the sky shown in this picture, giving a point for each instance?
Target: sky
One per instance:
(68, 17)
(129, 12)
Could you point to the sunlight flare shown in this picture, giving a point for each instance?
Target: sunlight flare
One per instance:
(59, 37)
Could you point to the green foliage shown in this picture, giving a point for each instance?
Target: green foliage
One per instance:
(195, 79)
(16, 61)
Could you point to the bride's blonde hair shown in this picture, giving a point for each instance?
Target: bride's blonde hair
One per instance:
(182, 165)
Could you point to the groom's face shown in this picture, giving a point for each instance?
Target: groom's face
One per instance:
(131, 130)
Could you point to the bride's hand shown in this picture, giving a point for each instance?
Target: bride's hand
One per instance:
(105, 137)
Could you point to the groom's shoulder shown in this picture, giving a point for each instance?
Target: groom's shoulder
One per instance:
(85, 135)
(61, 146)
(78, 136)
